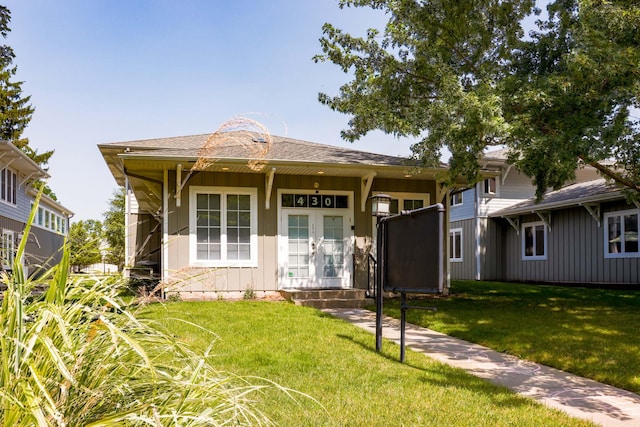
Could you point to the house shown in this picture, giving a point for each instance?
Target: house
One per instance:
(236, 211)
(585, 233)
(18, 173)
(475, 237)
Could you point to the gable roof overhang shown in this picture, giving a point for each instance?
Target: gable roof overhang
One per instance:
(143, 163)
(46, 200)
(589, 194)
(16, 159)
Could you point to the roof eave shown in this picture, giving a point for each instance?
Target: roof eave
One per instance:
(508, 212)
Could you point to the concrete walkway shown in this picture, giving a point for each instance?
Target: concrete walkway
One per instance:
(577, 396)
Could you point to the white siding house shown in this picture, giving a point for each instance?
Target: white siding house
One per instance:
(471, 211)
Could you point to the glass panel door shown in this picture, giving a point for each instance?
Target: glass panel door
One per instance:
(298, 246)
(332, 247)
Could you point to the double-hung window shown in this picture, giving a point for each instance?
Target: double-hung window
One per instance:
(534, 241)
(7, 249)
(8, 186)
(223, 226)
(490, 187)
(456, 199)
(621, 234)
(455, 244)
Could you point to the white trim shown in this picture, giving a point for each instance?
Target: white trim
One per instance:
(349, 213)
(545, 217)
(595, 212)
(459, 195)
(486, 194)
(608, 215)
(58, 223)
(514, 222)
(523, 241)
(453, 232)
(179, 185)
(253, 242)
(268, 187)
(8, 237)
(164, 254)
(365, 188)
(13, 189)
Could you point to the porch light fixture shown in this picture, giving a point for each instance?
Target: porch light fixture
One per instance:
(380, 205)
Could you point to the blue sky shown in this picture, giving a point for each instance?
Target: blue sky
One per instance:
(102, 71)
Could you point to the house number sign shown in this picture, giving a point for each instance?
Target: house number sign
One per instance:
(324, 201)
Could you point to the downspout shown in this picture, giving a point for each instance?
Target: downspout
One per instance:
(164, 254)
(127, 227)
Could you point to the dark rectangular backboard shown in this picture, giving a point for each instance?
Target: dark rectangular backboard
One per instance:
(411, 250)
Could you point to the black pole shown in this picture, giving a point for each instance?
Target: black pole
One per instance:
(379, 287)
(403, 322)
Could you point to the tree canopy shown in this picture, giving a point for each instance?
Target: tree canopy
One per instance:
(468, 75)
(85, 238)
(114, 228)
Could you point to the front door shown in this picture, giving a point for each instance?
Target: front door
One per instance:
(315, 249)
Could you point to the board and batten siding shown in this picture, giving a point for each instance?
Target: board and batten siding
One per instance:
(204, 282)
(575, 252)
(490, 249)
(465, 269)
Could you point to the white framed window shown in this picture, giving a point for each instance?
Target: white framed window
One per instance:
(223, 228)
(8, 186)
(7, 249)
(456, 199)
(490, 187)
(455, 245)
(50, 220)
(621, 234)
(534, 241)
(407, 202)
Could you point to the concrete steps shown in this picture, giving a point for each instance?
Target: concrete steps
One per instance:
(326, 298)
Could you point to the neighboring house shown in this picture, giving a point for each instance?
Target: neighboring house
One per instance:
(254, 213)
(585, 233)
(475, 239)
(44, 243)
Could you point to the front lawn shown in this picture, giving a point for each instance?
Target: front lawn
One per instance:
(336, 364)
(590, 332)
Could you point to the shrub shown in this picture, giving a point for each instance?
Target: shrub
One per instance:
(77, 355)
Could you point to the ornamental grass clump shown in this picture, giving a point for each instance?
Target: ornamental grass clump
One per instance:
(77, 355)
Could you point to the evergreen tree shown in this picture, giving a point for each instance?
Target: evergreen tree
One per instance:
(15, 109)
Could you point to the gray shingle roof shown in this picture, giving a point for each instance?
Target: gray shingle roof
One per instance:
(572, 195)
(248, 145)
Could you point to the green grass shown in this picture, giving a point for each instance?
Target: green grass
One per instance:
(335, 363)
(589, 332)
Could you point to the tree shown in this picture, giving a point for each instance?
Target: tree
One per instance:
(114, 230)
(15, 109)
(464, 76)
(85, 238)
